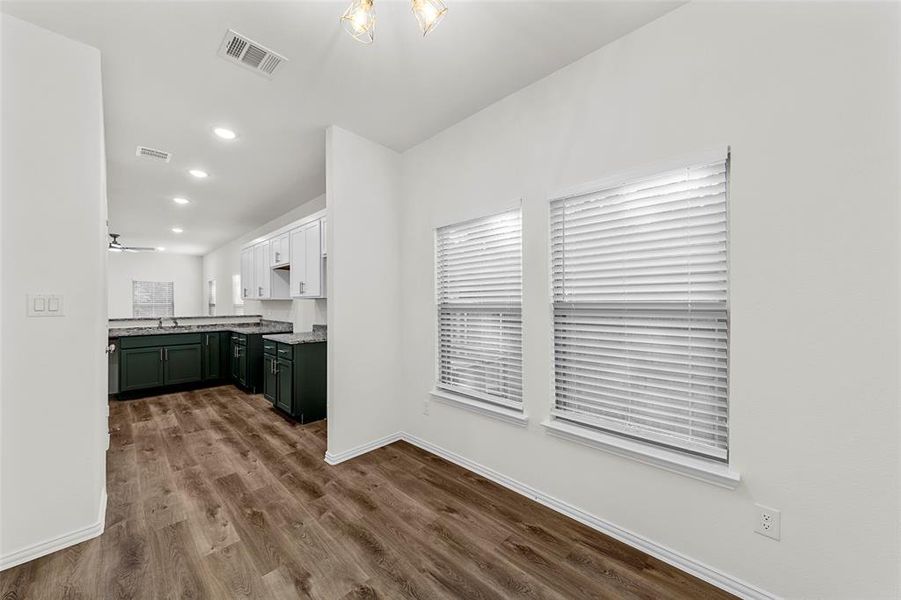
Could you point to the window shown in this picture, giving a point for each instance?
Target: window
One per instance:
(237, 296)
(641, 311)
(479, 288)
(211, 297)
(153, 298)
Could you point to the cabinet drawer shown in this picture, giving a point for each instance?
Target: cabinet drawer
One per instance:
(285, 351)
(172, 339)
(269, 347)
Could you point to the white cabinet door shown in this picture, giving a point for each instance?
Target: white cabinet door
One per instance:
(306, 261)
(247, 282)
(261, 270)
(298, 261)
(312, 287)
(279, 250)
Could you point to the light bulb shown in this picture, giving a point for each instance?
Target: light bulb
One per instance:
(428, 13)
(359, 20)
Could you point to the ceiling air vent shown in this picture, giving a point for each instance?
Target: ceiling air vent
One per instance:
(249, 54)
(153, 153)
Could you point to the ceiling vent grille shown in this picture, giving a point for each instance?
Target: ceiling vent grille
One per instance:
(153, 153)
(249, 54)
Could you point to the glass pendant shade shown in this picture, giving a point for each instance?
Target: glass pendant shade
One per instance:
(359, 20)
(428, 13)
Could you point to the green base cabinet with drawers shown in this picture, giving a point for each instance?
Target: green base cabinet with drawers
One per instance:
(294, 378)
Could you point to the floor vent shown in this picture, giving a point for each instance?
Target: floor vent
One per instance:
(153, 153)
(249, 54)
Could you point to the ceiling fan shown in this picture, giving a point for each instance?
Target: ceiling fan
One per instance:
(115, 246)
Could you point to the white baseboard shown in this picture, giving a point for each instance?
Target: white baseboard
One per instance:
(58, 543)
(700, 570)
(334, 458)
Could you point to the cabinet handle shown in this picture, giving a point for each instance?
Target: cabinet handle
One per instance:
(161, 355)
(207, 339)
(278, 256)
(245, 292)
(166, 353)
(261, 290)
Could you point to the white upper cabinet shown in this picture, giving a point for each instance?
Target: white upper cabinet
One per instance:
(306, 261)
(261, 270)
(289, 264)
(312, 286)
(279, 250)
(247, 279)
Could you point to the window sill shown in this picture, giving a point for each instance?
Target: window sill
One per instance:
(508, 415)
(696, 468)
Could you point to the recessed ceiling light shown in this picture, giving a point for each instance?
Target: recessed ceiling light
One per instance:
(179, 200)
(160, 249)
(225, 134)
(197, 173)
(177, 230)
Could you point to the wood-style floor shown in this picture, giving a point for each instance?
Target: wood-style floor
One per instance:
(212, 494)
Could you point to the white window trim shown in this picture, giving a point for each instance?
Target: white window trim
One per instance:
(708, 471)
(509, 415)
(720, 474)
(487, 406)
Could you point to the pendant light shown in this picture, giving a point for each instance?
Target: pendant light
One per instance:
(428, 13)
(359, 21)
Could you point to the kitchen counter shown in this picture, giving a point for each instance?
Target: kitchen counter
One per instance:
(263, 327)
(303, 337)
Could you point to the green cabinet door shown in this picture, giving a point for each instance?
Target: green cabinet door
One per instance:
(270, 378)
(284, 372)
(140, 368)
(234, 362)
(211, 359)
(183, 364)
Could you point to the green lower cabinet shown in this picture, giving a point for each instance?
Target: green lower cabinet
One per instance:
(270, 378)
(140, 368)
(182, 364)
(295, 378)
(212, 361)
(285, 385)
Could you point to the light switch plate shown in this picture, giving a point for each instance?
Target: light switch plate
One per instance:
(44, 305)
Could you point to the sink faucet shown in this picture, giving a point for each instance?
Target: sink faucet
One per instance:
(160, 323)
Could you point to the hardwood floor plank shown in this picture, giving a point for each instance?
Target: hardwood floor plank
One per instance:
(214, 494)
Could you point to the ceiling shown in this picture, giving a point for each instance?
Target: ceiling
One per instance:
(165, 87)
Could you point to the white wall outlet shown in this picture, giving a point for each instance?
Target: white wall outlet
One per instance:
(769, 522)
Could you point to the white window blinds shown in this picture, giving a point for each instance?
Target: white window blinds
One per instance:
(479, 288)
(153, 298)
(641, 314)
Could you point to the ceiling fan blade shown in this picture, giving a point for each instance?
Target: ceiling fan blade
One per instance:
(138, 249)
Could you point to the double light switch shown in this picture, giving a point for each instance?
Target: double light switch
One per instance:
(45, 305)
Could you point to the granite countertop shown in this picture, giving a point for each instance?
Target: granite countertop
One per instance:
(196, 317)
(303, 337)
(263, 326)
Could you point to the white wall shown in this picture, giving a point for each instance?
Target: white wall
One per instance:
(53, 388)
(807, 96)
(225, 262)
(363, 198)
(184, 270)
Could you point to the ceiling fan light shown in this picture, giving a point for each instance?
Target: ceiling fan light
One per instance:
(359, 21)
(428, 13)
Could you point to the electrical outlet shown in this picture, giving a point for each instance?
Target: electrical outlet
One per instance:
(769, 522)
